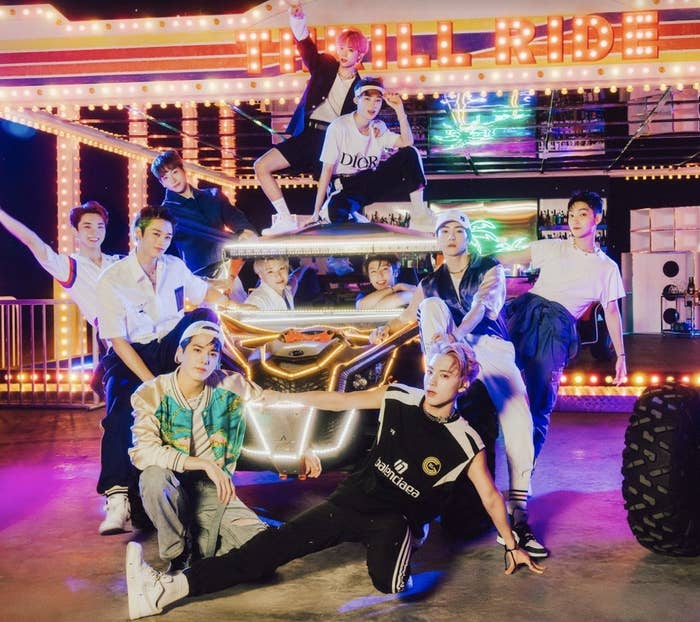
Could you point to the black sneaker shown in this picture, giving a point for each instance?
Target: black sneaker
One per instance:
(527, 541)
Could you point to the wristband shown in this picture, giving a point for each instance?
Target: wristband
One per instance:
(621, 356)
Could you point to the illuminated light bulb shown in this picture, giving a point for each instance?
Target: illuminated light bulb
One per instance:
(654, 379)
(639, 379)
(670, 379)
(578, 379)
(609, 379)
(563, 379)
(593, 379)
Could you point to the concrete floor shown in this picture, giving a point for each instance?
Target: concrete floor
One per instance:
(54, 566)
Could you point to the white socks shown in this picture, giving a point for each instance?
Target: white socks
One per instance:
(280, 206)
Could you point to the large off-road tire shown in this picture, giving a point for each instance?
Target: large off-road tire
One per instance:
(661, 470)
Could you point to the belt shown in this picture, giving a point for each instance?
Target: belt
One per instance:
(317, 125)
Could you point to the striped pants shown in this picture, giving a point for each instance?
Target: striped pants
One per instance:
(386, 537)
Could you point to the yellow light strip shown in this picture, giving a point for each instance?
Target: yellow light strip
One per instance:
(395, 340)
(312, 245)
(302, 373)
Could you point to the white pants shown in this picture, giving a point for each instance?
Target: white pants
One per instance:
(503, 381)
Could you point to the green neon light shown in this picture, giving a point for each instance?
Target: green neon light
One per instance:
(487, 241)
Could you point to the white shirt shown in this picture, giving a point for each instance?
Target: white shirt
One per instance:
(129, 306)
(574, 278)
(332, 106)
(351, 151)
(78, 276)
(267, 299)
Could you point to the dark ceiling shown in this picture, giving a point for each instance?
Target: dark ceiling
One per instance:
(487, 134)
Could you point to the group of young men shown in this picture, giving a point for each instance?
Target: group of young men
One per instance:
(174, 422)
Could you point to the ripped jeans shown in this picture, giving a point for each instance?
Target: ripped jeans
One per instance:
(183, 505)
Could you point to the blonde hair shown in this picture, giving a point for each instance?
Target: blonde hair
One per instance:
(462, 354)
(260, 263)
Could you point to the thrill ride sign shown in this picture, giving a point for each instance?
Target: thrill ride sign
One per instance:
(45, 58)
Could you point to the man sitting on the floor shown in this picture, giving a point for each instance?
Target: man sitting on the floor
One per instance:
(421, 434)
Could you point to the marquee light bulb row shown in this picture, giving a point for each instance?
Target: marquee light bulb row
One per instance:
(216, 92)
(250, 18)
(638, 379)
(178, 23)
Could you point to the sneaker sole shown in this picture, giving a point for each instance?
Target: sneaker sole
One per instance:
(114, 531)
(538, 553)
(127, 527)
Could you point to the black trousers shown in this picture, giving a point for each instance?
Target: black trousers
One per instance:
(386, 537)
(398, 175)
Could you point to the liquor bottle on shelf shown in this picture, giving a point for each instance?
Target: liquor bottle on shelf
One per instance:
(691, 286)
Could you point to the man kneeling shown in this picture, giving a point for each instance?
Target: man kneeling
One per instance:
(421, 448)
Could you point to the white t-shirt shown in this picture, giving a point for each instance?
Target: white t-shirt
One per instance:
(351, 151)
(267, 299)
(574, 278)
(131, 308)
(329, 110)
(78, 276)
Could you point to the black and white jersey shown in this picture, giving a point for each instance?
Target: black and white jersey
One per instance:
(414, 462)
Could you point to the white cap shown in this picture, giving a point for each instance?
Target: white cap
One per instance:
(452, 215)
(203, 327)
(369, 84)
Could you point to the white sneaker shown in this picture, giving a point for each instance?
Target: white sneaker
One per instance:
(359, 217)
(282, 224)
(117, 515)
(148, 590)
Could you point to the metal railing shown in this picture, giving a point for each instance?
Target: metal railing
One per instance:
(48, 354)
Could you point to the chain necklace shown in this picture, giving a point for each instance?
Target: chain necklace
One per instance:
(452, 416)
(194, 402)
(595, 250)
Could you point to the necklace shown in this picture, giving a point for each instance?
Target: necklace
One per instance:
(151, 274)
(452, 416)
(195, 401)
(583, 250)
(347, 74)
